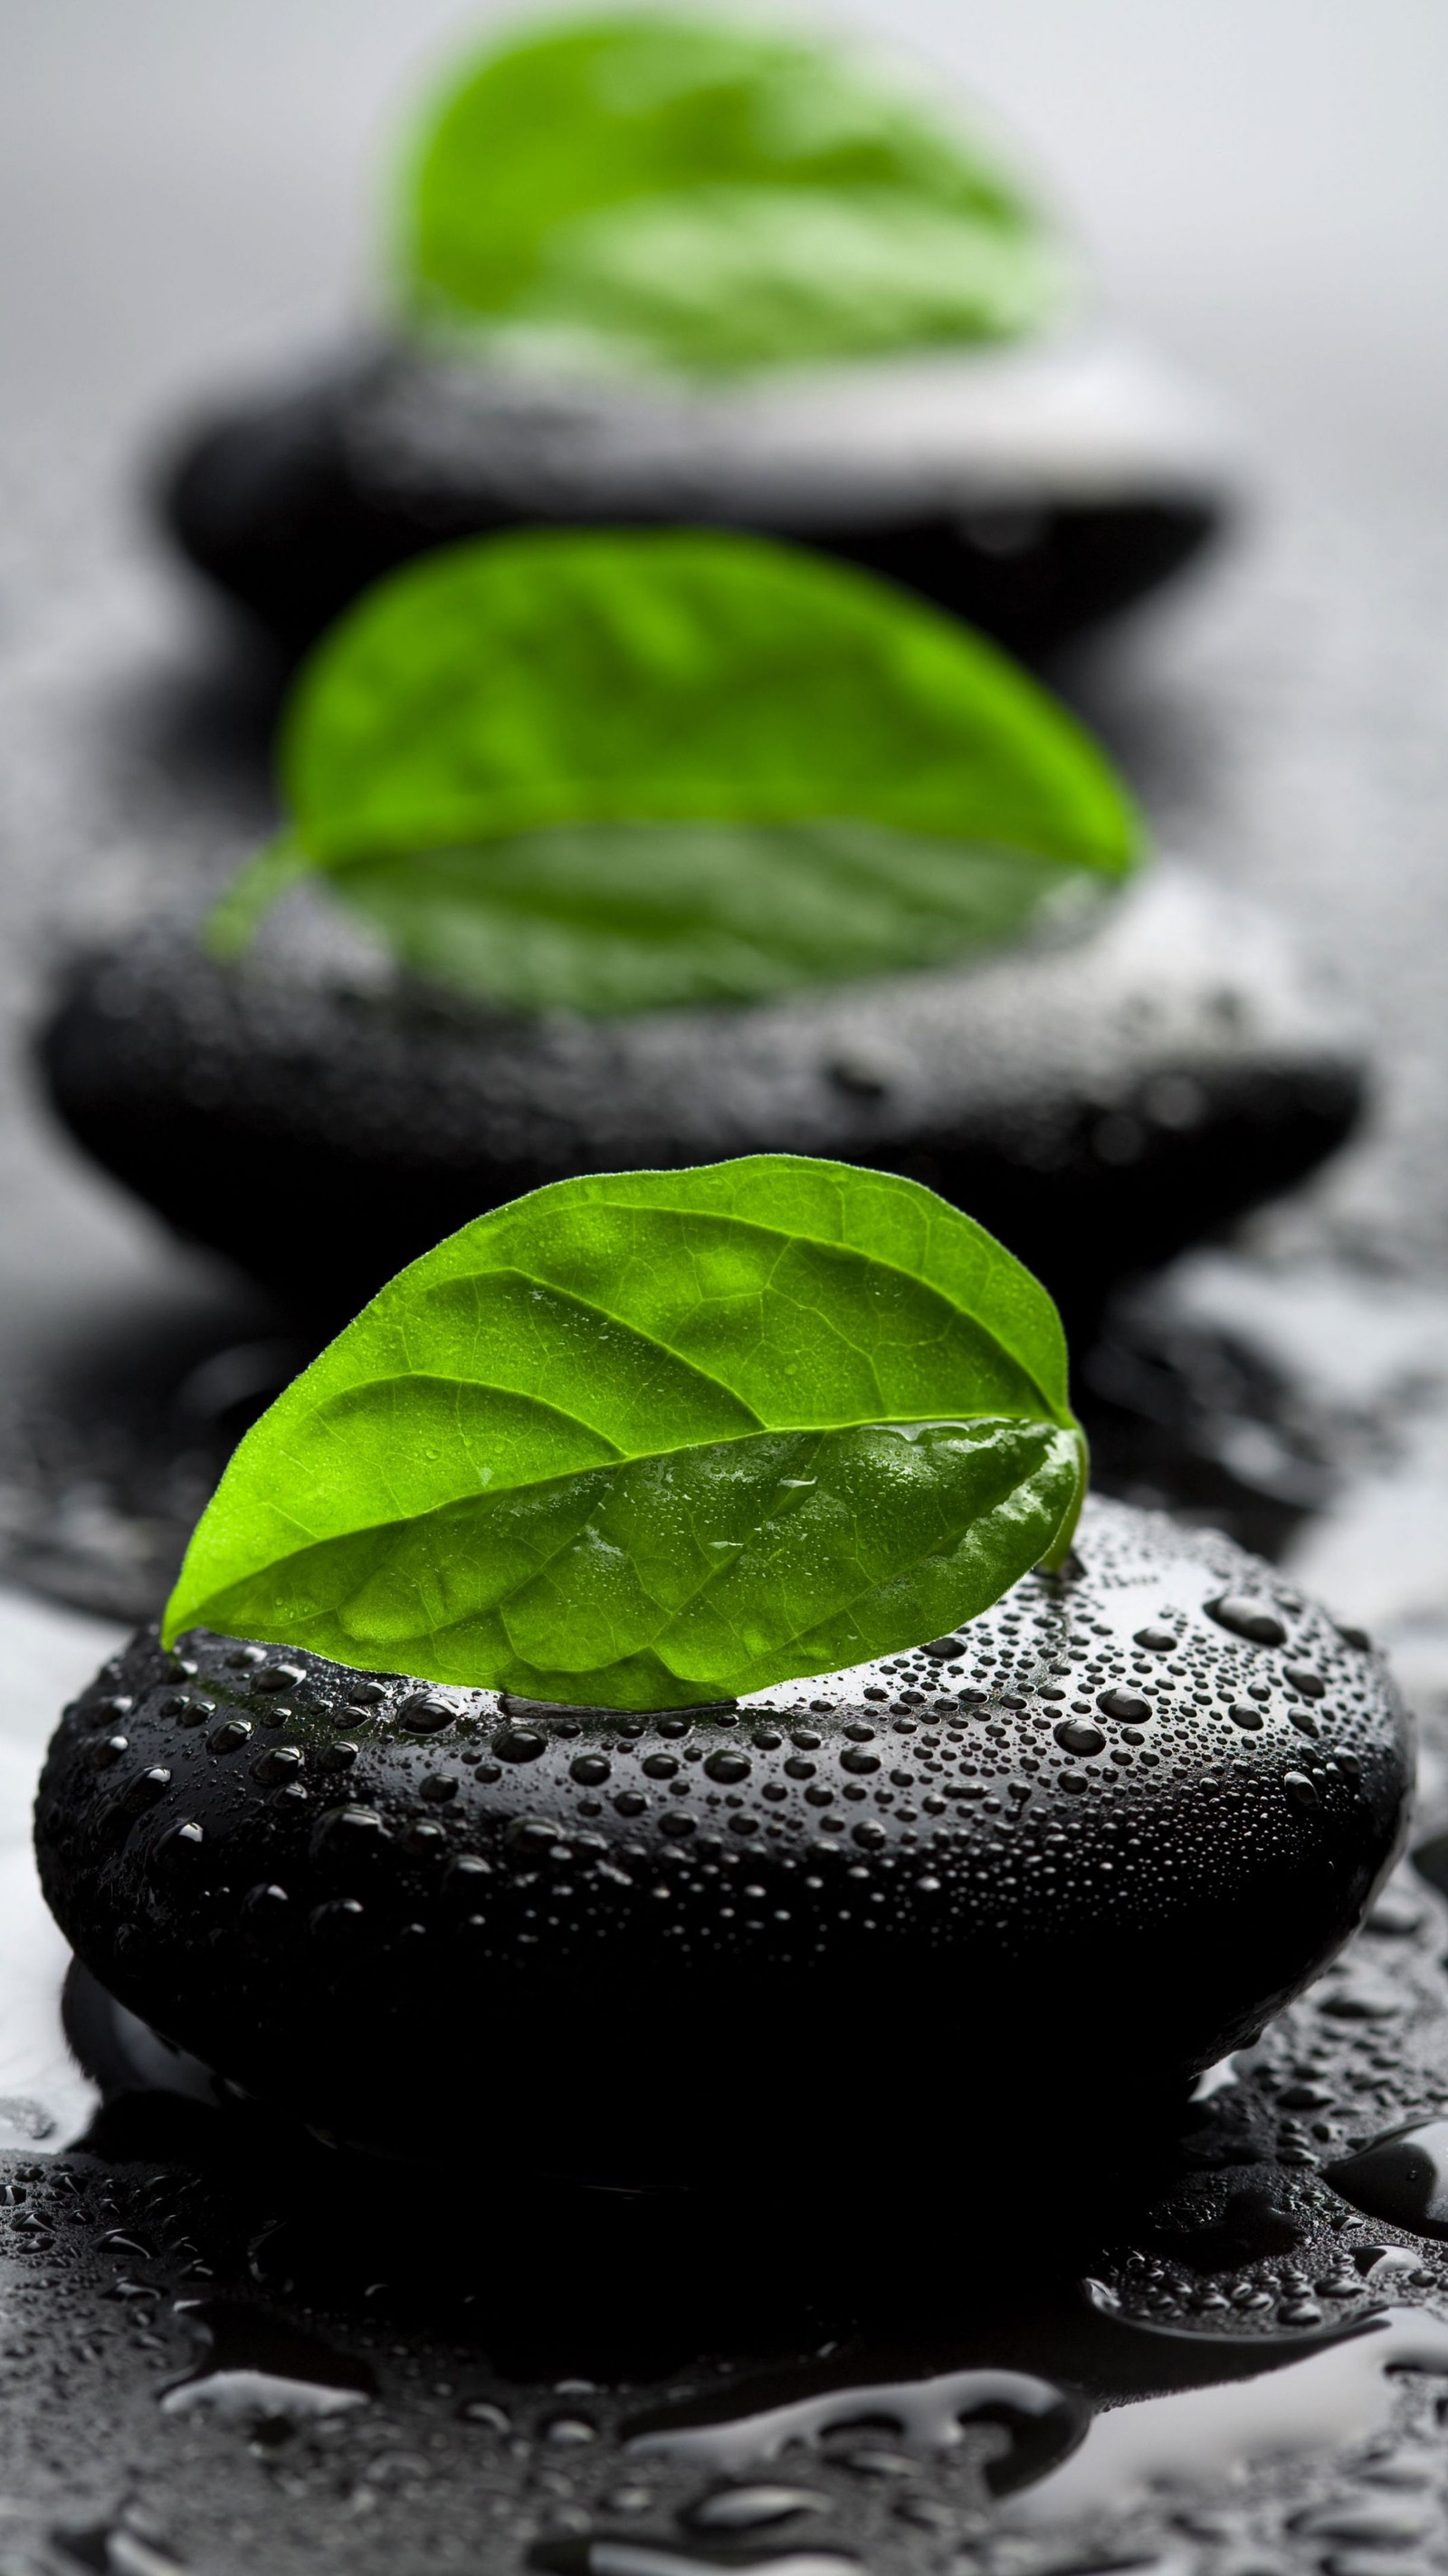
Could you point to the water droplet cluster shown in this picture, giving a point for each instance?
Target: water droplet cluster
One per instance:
(1162, 1765)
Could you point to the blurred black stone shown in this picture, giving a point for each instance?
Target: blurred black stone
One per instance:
(1098, 1105)
(295, 500)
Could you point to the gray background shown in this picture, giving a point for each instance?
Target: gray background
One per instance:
(1262, 183)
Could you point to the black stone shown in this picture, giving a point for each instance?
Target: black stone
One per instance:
(294, 501)
(1120, 1925)
(1097, 1104)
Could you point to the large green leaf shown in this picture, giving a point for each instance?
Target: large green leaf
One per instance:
(612, 770)
(656, 191)
(657, 1438)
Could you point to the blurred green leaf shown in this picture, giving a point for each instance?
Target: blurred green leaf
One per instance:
(656, 191)
(610, 771)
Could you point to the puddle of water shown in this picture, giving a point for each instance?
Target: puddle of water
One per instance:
(1340, 2391)
(47, 1655)
(1402, 2178)
(1041, 2423)
(264, 2376)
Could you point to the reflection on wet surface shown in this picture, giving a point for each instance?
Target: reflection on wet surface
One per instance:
(1340, 2392)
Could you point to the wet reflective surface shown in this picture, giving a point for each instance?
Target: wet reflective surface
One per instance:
(224, 2346)
(225, 2336)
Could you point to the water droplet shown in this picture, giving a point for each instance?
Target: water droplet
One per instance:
(518, 1744)
(275, 1678)
(569, 2432)
(481, 2410)
(1311, 1685)
(348, 1829)
(1124, 1705)
(533, 1834)
(1243, 1714)
(1246, 1617)
(1074, 1735)
(728, 1766)
(181, 1845)
(1301, 1789)
(109, 1751)
(854, 1759)
(336, 1920)
(426, 1712)
(1158, 1641)
(229, 1734)
(752, 2508)
(280, 1762)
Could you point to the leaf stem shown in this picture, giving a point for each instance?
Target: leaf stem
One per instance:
(1060, 1547)
(233, 921)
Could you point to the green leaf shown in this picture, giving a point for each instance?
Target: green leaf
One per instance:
(607, 771)
(657, 1438)
(650, 191)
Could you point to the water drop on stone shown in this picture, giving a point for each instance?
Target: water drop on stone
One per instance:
(1246, 1617)
(1075, 1735)
(518, 1744)
(1124, 1705)
(426, 1713)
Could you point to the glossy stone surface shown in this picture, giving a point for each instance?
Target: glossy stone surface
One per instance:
(676, 1918)
(1097, 1103)
(1033, 493)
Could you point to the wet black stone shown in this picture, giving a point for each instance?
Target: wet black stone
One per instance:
(292, 503)
(1112, 1926)
(322, 1135)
